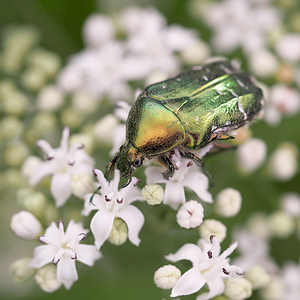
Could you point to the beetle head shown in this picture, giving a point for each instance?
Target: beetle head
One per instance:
(126, 160)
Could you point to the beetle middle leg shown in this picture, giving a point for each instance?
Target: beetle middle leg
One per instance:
(167, 163)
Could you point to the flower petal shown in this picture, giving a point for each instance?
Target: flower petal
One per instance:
(153, 175)
(190, 282)
(101, 226)
(198, 183)
(61, 188)
(134, 220)
(190, 252)
(87, 254)
(42, 255)
(97, 203)
(41, 171)
(216, 287)
(174, 194)
(66, 272)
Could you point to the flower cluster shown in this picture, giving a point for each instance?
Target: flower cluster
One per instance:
(83, 106)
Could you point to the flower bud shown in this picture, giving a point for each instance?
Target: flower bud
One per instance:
(196, 53)
(34, 79)
(166, 277)
(259, 226)
(258, 276)
(212, 227)
(281, 224)
(228, 202)
(119, 232)
(71, 117)
(50, 98)
(274, 290)
(82, 184)
(153, 194)
(251, 154)
(9, 128)
(85, 102)
(15, 104)
(283, 162)
(14, 154)
(85, 138)
(25, 225)
(30, 165)
(21, 270)
(238, 288)
(190, 214)
(105, 127)
(46, 278)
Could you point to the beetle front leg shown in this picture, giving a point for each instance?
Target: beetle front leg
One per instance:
(195, 158)
(170, 167)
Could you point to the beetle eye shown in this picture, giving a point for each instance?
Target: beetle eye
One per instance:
(138, 163)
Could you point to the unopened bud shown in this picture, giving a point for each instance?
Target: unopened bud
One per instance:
(166, 277)
(190, 214)
(119, 232)
(238, 288)
(46, 278)
(258, 277)
(21, 270)
(212, 227)
(153, 193)
(228, 202)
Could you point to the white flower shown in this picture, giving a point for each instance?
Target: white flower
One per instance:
(212, 227)
(63, 163)
(25, 225)
(238, 288)
(283, 101)
(228, 202)
(186, 175)
(283, 162)
(190, 214)
(209, 267)
(111, 203)
(98, 29)
(166, 277)
(290, 279)
(251, 154)
(63, 249)
(288, 47)
(290, 202)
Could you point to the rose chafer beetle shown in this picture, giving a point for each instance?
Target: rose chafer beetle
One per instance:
(188, 111)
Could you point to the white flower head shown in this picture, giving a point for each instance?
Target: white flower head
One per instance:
(111, 203)
(190, 214)
(63, 248)
(186, 175)
(63, 163)
(209, 267)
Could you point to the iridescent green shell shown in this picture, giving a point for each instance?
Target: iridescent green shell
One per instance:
(212, 98)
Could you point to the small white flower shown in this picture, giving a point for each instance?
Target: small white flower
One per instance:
(274, 290)
(212, 227)
(166, 277)
(251, 154)
(190, 214)
(258, 276)
(290, 280)
(153, 194)
(228, 202)
(238, 288)
(283, 101)
(288, 47)
(263, 63)
(97, 29)
(209, 267)
(63, 249)
(25, 225)
(63, 163)
(186, 175)
(46, 279)
(290, 202)
(111, 203)
(283, 162)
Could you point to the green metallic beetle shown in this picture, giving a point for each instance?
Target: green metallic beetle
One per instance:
(187, 112)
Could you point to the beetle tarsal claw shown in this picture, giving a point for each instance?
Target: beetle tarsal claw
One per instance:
(127, 183)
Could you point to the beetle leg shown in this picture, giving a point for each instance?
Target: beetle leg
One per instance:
(167, 163)
(195, 158)
(93, 195)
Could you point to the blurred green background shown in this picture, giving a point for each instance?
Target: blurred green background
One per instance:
(126, 272)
